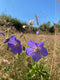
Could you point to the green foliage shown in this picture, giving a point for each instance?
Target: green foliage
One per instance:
(51, 29)
(35, 29)
(58, 27)
(37, 72)
(45, 26)
(1, 78)
(8, 21)
(17, 24)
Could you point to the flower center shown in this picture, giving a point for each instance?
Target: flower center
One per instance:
(36, 49)
(16, 45)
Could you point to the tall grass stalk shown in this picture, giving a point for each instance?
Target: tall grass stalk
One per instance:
(53, 56)
(54, 51)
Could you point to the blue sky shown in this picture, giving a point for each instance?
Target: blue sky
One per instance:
(25, 10)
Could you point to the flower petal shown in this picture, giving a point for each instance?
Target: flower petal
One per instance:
(31, 44)
(20, 49)
(37, 32)
(14, 50)
(18, 41)
(41, 44)
(44, 52)
(12, 38)
(36, 56)
(6, 40)
(29, 51)
(10, 44)
(2, 33)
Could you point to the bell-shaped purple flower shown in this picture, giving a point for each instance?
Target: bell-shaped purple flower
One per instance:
(36, 50)
(2, 33)
(15, 45)
(37, 32)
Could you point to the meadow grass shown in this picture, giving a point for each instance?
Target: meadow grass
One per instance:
(12, 68)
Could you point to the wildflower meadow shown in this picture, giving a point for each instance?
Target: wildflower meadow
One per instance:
(30, 46)
(27, 56)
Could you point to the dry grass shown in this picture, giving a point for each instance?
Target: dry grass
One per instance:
(7, 58)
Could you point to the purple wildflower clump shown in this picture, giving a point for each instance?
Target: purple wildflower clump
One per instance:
(2, 33)
(37, 32)
(36, 49)
(15, 45)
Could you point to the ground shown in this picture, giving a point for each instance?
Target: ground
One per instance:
(7, 57)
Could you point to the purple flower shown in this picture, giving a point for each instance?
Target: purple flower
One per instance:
(15, 45)
(6, 40)
(36, 50)
(2, 33)
(37, 32)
